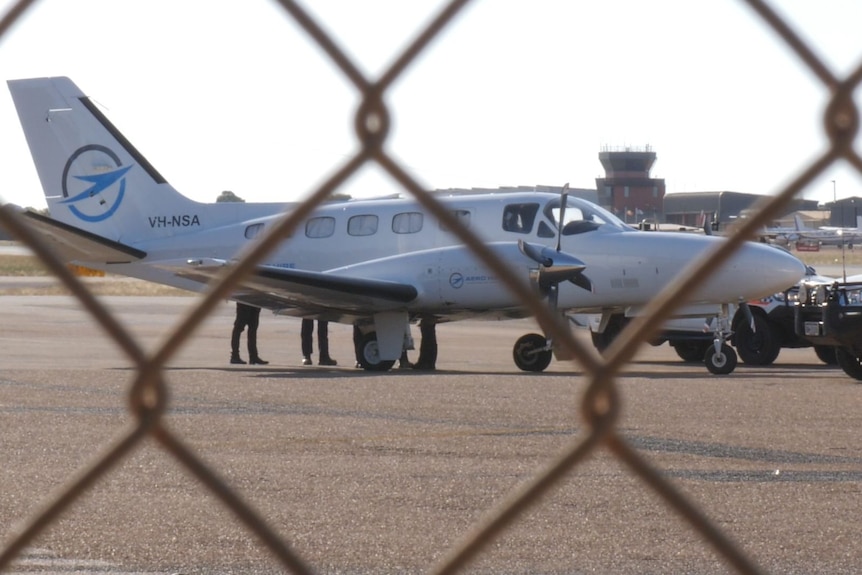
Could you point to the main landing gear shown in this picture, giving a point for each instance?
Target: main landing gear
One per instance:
(369, 354)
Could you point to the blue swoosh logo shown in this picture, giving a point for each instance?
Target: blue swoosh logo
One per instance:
(100, 182)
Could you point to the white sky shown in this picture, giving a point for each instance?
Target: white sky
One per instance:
(227, 95)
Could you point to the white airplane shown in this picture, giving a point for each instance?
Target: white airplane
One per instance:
(783, 235)
(378, 264)
(824, 235)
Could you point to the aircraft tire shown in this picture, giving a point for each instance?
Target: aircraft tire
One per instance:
(369, 356)
(722, 362)
(758, 347)
(826, 354)
(849, 362)
(525, 356)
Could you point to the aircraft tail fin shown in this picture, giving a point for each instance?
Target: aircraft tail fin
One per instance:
(92, 176)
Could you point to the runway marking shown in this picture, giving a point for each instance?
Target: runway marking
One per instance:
(46, 562)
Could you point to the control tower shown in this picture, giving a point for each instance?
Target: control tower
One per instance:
(627, 188)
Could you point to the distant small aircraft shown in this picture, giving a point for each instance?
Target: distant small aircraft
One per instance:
(783, 235)
(824, 235)
(378, 264)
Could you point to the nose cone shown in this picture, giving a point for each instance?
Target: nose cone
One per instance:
(757, 270)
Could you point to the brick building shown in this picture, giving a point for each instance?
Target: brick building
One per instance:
(627, 188)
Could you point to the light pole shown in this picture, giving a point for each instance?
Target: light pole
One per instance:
(835, 204)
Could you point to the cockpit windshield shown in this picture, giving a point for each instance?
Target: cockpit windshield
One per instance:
(578, 210)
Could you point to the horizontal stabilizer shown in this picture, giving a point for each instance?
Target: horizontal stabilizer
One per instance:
(75, 244)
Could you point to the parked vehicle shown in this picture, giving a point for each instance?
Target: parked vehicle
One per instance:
(830, 315)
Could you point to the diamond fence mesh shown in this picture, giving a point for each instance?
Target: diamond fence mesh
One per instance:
(601, 402)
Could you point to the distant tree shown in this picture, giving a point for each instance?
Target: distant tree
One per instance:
(338, 197)
(228, 196)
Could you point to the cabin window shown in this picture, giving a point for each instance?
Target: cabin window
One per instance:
(362, 225)
(519, 218)
(253, 231)
(463, 217)
(322, 227)
(407, 223)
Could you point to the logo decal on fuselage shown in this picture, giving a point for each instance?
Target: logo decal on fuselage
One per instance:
(94, 172)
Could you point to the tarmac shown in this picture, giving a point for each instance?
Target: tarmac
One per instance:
(384, 473)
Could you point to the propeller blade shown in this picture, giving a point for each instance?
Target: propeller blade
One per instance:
(553, 295)
(564, 195)
(535, 253)
(583, 282)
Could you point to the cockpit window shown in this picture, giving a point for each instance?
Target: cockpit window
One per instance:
(519, 218)
(580, 216)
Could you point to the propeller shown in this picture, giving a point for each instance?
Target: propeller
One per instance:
(556, 265)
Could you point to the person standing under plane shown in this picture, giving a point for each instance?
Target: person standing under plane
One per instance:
(322, 342)
(246, 315)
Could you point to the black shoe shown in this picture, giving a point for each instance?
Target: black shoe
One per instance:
(306, 360)
(327, 361)
(257, 361)
(236, 359)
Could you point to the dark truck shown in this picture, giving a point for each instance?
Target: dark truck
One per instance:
(831, 315)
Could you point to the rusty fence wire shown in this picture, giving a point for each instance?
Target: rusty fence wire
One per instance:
(600, 404)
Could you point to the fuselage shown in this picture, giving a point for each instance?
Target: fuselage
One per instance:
(398, 239)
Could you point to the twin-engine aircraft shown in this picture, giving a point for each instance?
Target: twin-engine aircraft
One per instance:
(378, 264)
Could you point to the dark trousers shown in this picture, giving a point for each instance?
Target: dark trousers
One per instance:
(246, 315)
(308, 339)
(428, 346)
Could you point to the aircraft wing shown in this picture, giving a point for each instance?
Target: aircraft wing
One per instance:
(281, 289)
(75, 244)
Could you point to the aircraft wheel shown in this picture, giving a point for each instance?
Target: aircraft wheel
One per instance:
(722, 362)
(529, 355)
(369, 356)
(826, 354)
(758, 347)
(691, 350)
(849, 362)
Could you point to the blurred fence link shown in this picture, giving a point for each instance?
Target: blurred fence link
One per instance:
(601, 401)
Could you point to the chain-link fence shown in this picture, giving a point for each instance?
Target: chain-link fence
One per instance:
(600, 403)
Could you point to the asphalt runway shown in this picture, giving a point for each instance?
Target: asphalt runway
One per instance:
(383, 473)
